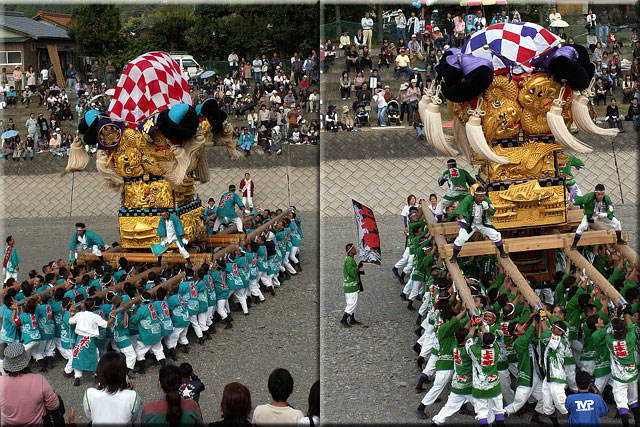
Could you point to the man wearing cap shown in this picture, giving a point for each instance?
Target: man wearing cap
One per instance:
(554, 344)
(401, 26)
(474, 214)
(479, 22)
(83, 240)
(226, 208)
(10, 259)
(351, 286)
(381, 102)
(403, 63)
(597, 207)
(367, 28)
(621, 341)
(246, 188)
(210, 209)
(171, 230)
(459, 181)
(25, 397)
(415, 49)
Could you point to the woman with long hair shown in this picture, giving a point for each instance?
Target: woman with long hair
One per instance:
(235, 406)
(313, 413)
(113, 401)
(172, 410)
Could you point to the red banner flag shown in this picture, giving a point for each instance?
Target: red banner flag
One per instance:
(368, 235)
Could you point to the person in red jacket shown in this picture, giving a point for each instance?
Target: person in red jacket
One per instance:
(246, 188)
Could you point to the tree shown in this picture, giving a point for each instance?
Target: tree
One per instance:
(96, 29)
(169, 26)
(252, 30)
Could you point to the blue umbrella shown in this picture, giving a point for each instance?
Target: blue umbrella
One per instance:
(9, 134)
(207, 74)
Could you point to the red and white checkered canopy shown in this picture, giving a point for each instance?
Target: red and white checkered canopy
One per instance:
(518, 42)
(149, 84)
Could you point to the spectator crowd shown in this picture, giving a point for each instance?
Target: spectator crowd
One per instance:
(420, 46)
(273, 101)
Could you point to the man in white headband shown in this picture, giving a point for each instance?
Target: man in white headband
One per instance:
(597, 207)
(554, 342)
(474, 214)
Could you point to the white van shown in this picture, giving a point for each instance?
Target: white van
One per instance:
(187, 61)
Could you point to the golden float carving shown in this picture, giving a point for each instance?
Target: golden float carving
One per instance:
(139, 155)
(143, 195)
(503, 112)
(530, 160)
(528, 204)
(139, 232)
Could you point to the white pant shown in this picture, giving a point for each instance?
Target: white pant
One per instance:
(352, 302)
(287, 264)
(443, 204)
(237, 221)
(430, 369)
(67, 353)
(247, 202)
(523, 394)
(47, 348)
(177, 334)
(488, 408)
(625, 394)
(193, 319)
(546, 295)
(35, 348)
(611, 224)
(570, 371)
(142, 349)
(166, 243)
(240, 295)
(491, 233)
(441, 380)
(601, 382)
(254, 289)
(505, 385)
(453, 405)
(265, 278)
(293, 255)
(415, 289)
(553, 397)
(8, 275)
(406, 262)
(129, 354)
(588, 366)
(94, 250)
(202, 321)
(221, 308)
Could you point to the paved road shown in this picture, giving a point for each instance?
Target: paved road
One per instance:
(282, 332)
(368, 372)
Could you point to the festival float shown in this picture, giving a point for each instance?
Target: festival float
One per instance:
(151, 148)
(514, 91)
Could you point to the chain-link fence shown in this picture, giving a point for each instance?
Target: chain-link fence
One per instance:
(86, 194)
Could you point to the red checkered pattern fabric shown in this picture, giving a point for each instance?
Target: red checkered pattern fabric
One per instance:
(149, 84)
(519, 42)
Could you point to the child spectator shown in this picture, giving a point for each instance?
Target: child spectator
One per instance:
(191, 384)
